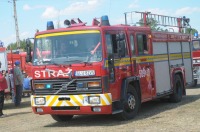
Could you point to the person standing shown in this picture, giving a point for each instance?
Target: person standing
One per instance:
(18, 78)
(3, 86)
(12, 85)
(26, 84)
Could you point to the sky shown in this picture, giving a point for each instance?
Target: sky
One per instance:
(34, 14)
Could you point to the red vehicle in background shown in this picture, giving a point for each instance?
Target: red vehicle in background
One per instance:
(196, 58)
(21, 56)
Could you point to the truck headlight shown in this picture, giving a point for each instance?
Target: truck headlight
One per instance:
(94, 100)
(94, 84)
(39, 86)
(40, 101)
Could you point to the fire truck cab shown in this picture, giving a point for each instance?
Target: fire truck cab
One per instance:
(106, 69)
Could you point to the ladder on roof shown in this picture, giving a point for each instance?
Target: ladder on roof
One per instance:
(161, 20)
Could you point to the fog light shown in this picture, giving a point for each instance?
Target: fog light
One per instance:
(96, 109)
(94, 99)
(39, 109)
(40, 101)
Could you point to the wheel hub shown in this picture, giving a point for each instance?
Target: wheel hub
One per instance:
(131, 102)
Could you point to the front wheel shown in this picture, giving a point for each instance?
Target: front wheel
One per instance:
(131, 104)
(62, 118)
(178, 90)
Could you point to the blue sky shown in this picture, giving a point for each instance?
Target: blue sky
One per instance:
(33, 14)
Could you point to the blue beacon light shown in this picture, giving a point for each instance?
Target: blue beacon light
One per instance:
(105, 21)
(50, 25)
(196, 34)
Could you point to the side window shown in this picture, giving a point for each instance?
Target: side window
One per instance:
(142, 44)
(132, 45)
(118, 48)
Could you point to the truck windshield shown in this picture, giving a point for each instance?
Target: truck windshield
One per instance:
(68, 48)
(196, 44)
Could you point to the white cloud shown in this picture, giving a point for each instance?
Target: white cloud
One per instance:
(159, 11)
(24, 35)
(134, 4)
(12, 38)
(50, 12)
(73, 8)
(9, 39)
(27, 7)
(187, 10)
(78, 7)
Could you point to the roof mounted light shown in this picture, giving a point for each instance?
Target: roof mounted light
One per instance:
(67, 23)
(50, 25)
(105, 21)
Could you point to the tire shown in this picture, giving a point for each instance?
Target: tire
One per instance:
(62, 118)
(131, 104)
(178, 90)
(195, 83)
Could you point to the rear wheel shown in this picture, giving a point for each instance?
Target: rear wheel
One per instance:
(178, 90)
(131, 104)
(62, 118)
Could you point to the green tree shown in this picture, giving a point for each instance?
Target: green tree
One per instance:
(190, 31)
(152, 23)
(13, 46)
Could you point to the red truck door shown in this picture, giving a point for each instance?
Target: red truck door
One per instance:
(120, 67)
(144, 65)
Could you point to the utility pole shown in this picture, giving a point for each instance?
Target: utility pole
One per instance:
(16, 24)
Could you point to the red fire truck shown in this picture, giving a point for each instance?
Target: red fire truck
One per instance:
(196, 59)
(107, 69)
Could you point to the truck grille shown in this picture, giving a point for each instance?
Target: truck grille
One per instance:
(66, 86)
(66, 108)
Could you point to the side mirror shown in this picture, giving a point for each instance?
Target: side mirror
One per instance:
(28, 50)
(28, 42)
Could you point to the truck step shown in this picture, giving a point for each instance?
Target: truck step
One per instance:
(117, 111)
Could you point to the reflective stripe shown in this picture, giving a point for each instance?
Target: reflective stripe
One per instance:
(67, 33)
(75, 100)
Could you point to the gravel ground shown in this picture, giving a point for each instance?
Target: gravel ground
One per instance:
(155, 116)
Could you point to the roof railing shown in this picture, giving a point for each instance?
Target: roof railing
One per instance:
(162, 20)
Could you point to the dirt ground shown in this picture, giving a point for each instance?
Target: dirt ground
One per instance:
(154, 116)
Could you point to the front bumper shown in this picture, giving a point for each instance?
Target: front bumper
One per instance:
(72, 104)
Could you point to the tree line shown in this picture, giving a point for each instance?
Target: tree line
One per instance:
(13, 46)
